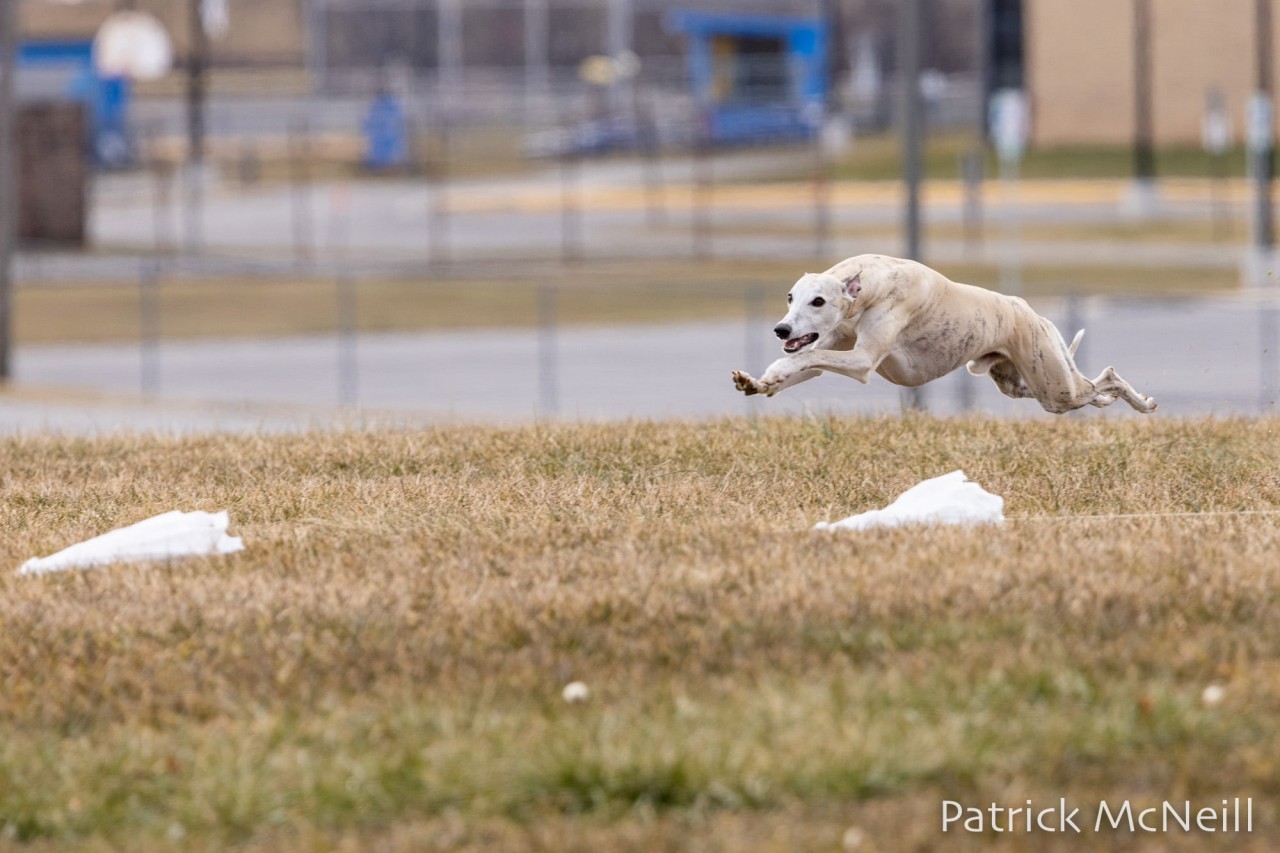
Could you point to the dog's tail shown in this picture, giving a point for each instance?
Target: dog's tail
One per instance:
(1075, 342)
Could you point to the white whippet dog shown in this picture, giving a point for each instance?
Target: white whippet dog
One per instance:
(911, 324)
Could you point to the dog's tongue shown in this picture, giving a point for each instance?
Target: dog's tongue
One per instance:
(795, 343)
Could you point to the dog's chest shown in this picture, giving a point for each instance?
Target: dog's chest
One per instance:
(923, 357)
(907, 366)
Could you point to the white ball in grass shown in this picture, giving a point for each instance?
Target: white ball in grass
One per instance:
(1213, 695)
(854, 840)
(575, 692)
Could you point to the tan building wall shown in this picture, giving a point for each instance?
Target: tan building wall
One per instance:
(263, 32)
(1079, 63)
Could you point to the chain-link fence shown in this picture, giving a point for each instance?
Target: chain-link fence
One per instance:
(344, 238)
(596, 346)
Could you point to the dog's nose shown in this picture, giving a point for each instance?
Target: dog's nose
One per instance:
(782, 330)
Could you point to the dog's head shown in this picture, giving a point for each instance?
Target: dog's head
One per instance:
(818, 303)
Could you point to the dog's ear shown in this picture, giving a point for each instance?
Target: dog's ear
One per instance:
(853, 284)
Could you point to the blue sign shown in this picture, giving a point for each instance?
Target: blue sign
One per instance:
(106, 99)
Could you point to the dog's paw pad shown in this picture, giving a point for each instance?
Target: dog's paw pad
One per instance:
(744, 383)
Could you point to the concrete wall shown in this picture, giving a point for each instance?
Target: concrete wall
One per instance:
(1080, 67)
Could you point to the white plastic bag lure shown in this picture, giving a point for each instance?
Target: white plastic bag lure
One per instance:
(949, 499)
(162, 537)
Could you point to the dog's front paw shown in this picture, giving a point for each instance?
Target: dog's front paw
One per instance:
(747, 385)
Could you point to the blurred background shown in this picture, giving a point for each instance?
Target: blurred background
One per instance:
(283, 214)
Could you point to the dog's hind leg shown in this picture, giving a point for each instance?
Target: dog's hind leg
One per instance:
(1109, 387)
(1049, 374)
(1077, 391)
(1007, 378)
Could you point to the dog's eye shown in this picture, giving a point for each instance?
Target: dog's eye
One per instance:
(788, 298)
(818, 303)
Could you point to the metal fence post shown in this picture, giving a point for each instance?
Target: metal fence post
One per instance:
(1011, 229)
(910, 43)
(197, 130)
(702, 181)
(548, 345)
(193, 207)
(821, 194)
(348, 341)
(1075, 321)
(438, 192)
(971, 175)
(340, 223)
(161, 197)
(753, 352)
(651, 156)
(1268, 338)
(570, 203)
(300, 180)
(964, 391)
(149, 328)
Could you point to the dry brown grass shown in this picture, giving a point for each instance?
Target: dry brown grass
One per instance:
(382, 667)
(589, 293)
(595, 293)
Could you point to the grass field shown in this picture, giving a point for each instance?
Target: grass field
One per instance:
(382, 667)
(599, 293)
(880, 158)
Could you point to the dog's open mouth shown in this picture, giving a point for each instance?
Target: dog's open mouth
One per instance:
(797, 344)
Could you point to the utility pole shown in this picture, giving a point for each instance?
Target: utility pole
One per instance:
(911, 110)
(8, 174)
(983, 38)
(831, 104)
(196, 61)
(912, 121)
(1262, 151)
(1144, 162)
(1263, 147)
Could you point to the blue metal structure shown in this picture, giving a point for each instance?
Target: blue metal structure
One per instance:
(755, 77)
(386, 135)
(106, 99)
